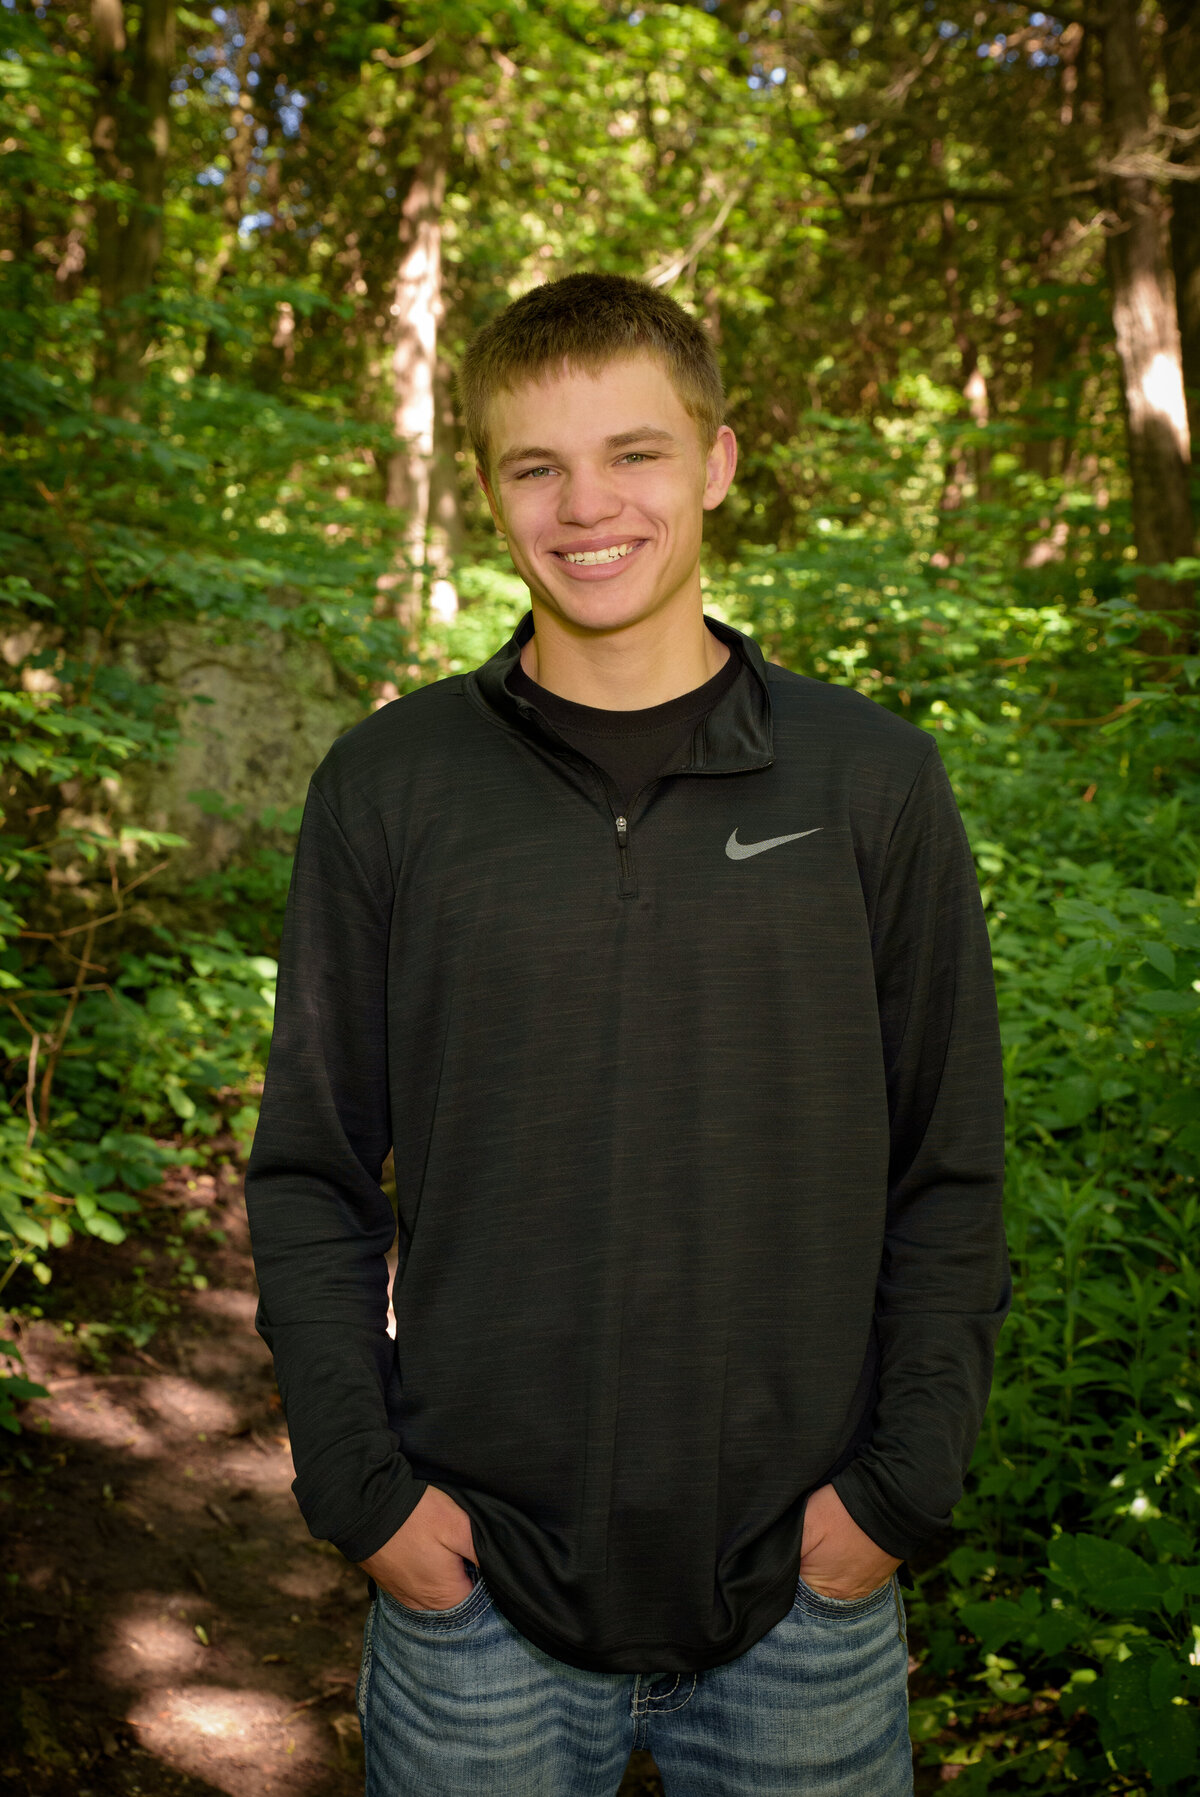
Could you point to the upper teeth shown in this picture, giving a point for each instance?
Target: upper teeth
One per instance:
(587, 556)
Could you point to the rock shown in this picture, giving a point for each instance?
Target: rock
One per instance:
(256, 712)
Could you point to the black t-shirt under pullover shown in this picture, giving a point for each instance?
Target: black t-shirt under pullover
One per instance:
(697, 1124)
(631, 747)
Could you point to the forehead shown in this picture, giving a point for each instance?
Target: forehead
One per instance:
(578, 406)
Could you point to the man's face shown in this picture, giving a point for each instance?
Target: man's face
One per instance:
(601, 483)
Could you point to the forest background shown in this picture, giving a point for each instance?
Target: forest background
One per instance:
(950, 254)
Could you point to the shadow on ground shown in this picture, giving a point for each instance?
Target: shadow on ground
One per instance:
(170, 1627)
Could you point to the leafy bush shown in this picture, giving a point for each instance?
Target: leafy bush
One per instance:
(1059, 1633)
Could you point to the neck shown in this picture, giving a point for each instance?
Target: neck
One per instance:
(644, 664)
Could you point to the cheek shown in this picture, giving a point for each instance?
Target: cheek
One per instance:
(526, 520)
(688, 521)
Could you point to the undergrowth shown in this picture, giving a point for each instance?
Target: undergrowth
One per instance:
(1059, 1631)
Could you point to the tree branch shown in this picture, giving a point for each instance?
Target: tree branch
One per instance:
(409, 58)
(665, 272)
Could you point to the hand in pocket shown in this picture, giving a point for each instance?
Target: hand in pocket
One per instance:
(422, 1565)
(837, 1559)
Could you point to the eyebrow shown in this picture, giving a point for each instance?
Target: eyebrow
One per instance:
(645, 433)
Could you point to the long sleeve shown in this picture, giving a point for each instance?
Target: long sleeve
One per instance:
(944, 1288)
(320, 1224)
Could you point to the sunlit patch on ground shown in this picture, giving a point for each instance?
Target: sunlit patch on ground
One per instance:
(137, 1413)
(260, 1463)
(98, 1410)
(308, 1581)
(233, 1307)
(152, 1641)
(242, 1742)
(184, 1407)
(178, 1632)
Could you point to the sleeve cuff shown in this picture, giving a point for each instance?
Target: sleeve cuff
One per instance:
(900, 1534)
(377, 1530)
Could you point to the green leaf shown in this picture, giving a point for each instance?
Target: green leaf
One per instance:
(1168, 1004)
(183, 1106)
(995, 1623)
(1160, 958)
(1165, 1682)
(1122, 1701)
(1172, 1747)
(15, 1385)
(1167, 1537)
(1084, 911)
(27, 1230)
(1073, 1099)
(1108, 1576)
(105, 1227)
(1056, 1629)
(117, 1201)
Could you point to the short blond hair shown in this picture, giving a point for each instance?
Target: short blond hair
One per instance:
(586, 321)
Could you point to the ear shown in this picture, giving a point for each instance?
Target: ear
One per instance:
(719, 468)
(493, 508)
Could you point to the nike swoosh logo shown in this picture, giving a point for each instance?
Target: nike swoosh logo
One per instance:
(742, 851)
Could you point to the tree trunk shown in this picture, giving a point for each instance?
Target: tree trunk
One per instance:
(1147, 335)
(1056, 349)
(1181, 61)
(236, 191)
(447, 531)
(962, 469)
(130, 140)
(416, 312)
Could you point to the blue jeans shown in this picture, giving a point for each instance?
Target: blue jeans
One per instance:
(457, 1703)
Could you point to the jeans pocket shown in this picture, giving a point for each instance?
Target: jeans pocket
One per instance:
(847, 1608)
(458, 1615)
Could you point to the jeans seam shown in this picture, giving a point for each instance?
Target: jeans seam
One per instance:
(638, 1714)
(364, 1675)
(900, 1628)
(679, 1706)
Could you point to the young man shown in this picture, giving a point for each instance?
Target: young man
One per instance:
(664, 973)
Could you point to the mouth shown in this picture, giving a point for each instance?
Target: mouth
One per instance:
(598, 557)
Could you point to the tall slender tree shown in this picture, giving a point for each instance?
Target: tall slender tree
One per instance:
(1181, 63)
(131, 137)
(416, 312)
(1147, 331)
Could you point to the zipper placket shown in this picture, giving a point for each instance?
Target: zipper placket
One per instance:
(626, 872)
(628, 879)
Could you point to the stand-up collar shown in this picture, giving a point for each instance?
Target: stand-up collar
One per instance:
(734, 738)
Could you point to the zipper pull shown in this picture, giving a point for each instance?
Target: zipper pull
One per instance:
(623, 832)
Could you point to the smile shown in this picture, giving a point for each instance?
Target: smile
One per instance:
(588, 558)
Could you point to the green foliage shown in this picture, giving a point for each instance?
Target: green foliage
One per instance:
(932, 507)
(1079, 1535)
(15, 1389)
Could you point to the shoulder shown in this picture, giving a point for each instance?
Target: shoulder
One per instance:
(846, 721)
(391, 741)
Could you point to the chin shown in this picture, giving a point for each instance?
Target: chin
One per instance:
(606, 611)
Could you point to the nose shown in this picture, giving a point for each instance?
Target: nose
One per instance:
(588, 497)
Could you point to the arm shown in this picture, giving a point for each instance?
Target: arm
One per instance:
(943, 1288)
(320, 1224)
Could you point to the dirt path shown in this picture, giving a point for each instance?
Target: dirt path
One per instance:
(170, 1628)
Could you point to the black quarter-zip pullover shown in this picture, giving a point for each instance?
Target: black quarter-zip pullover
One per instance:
(697, 1131)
